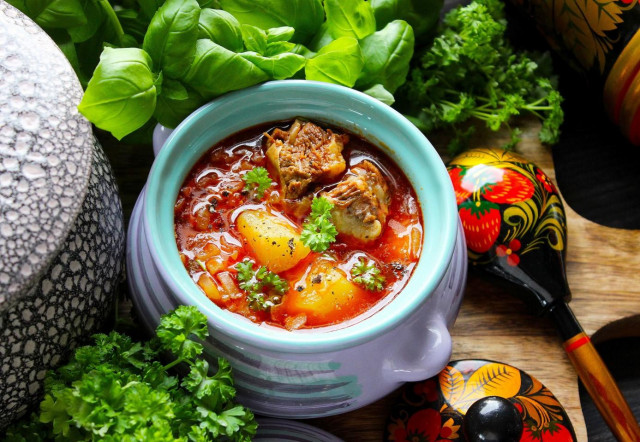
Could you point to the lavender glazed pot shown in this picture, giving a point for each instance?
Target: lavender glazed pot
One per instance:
(323, 371)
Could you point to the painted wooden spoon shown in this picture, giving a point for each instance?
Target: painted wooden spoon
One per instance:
(515, 228)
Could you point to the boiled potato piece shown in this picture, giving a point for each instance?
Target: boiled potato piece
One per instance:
(275, 242)
(325, 295)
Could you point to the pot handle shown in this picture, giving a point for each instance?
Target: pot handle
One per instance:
(426, 353)
(160, 135)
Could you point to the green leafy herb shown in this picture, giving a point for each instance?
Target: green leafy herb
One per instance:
(353, 18)
(148, 61)
(318, 232)
(257, 180)
(378, 92)
(279, 66)
(368, 275)
(121, 95)
(339, 62)
(171, 37)
(472, 73)
(118, 389)
(387, 54)
(305, 16)
(175, 103)
(222, 28)
(421, 15)
(229, 69)
(258, 284)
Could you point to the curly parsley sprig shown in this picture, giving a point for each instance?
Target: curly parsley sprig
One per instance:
(119, 389)
(471, 72)
(257, 180)
(256, 282)
(367, 274)
(318, 232)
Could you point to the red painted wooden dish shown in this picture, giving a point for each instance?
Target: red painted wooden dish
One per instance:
(515, 228)
(448, 407)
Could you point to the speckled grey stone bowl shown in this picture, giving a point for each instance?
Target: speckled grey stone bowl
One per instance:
(61, 224)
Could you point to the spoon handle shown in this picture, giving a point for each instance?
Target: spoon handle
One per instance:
(595, 376)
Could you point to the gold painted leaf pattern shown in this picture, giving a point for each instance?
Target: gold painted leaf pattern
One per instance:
(540, 405)
(522, 217)
(451, 384)
(583, 25)
(492, 379)
(485, 155)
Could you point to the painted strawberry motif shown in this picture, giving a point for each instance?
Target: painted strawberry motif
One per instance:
(456, 174)
(551, 432)
(513, 188)
(481, 222)
(498, 185)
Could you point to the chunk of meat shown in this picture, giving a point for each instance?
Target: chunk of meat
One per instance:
(360, 202)
(305, 154)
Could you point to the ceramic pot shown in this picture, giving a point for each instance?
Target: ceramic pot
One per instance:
(284, 430)
(61, 226)
(322, 371)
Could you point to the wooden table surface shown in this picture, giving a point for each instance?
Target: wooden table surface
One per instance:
(602, 267)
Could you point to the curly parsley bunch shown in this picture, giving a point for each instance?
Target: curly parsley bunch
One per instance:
(471, 72)
(119, 390)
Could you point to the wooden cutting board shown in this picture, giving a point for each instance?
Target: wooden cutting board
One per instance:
(602, 267)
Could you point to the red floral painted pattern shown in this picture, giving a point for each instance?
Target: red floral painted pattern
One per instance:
(501, 199)
(509, 252)
(433, 410)
(545, 181)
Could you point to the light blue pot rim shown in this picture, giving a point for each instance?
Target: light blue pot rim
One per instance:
(182, 150)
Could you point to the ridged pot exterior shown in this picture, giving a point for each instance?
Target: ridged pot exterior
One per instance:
(312, 384)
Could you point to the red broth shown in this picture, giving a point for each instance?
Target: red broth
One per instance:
(211, 245)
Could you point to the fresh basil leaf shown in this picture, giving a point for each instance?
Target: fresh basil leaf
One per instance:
(282, 33)
(422, 15)
(339, 62)
(322, 38)
(387, 54)
(278, 47)
(55, 13)
(216, 70)
(171, 36)
(173, 89)
(220, 27)
(303, 50)
(121, 95)
(134, 23)
(213, 4)
(172, 108)
(149, 7)
(305, 16)
(279, 66)
(349, 18)
(255, 39)
(94, 18)
(379, 92)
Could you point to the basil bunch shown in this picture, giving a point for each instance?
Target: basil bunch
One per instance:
(160, 60)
